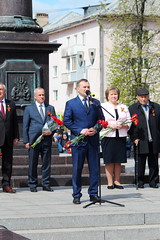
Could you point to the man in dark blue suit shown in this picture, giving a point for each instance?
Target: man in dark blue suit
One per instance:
(35, 117)
(81, 119)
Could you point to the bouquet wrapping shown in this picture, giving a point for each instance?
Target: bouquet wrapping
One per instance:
(51, 125)
(134, 119)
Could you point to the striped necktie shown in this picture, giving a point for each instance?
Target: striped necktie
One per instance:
(41, 112)
(2, 109)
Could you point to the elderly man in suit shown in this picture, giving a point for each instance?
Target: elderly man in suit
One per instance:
(80, 116)
(146, 135)
(35, 117)
(9, 137)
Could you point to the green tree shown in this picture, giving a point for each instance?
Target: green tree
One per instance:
(134, 62)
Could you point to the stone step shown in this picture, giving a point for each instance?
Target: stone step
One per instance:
(22, 170)
(21, 150)
(53, 216)
(82, 220)
(102, 226)
(55, 159)
(66, 180)
(61, 171)
(139, 232)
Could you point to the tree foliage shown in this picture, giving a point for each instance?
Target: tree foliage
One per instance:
(134, 60)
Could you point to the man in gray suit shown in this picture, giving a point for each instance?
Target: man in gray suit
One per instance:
(35, 117)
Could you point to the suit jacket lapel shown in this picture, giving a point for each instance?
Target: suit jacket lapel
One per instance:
(46, 114)
(35, 109)
(81, 105)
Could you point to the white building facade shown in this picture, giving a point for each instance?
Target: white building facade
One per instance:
(84, 53)
(80, 56)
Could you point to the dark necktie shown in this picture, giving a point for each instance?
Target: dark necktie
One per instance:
(41, 112)
(145, 107)
(85, 103)
(2, 110)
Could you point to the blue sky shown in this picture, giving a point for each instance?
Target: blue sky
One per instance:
(56, 7)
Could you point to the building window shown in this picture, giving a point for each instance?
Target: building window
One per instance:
(68, 41)
(83, 39)
(74, 63)
(75, 39)
(68, 64)
(54, 71)
(55, 95)
(71, 63)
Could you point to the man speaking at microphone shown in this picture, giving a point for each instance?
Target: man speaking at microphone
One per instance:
(80, 116)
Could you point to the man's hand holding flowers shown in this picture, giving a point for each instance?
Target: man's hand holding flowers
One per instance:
(47, 133)
(84, 131)
(89, 132)
(48, 128)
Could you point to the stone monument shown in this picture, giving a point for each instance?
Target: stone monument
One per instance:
(24, 58)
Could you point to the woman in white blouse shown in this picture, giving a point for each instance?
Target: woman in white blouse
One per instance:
(114, 143)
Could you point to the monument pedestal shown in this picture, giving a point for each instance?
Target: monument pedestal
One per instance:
(24, 58)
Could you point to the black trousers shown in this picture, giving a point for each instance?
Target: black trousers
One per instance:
(152, 165)
(7, 159)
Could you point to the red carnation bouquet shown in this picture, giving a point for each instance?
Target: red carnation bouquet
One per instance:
(134, 119)
(68, 146)
(51, 125)
(100, 124)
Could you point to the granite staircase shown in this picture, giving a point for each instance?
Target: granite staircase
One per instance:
(61, 169)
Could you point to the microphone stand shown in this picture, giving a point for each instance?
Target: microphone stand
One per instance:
(88, 93)
(106, 111)
(100, 200)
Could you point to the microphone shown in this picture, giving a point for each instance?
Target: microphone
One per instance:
(88, 93)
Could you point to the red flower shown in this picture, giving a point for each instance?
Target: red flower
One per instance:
(58, 121)
(100, 124)
(51, 125)
(103, 123)
(133, 119)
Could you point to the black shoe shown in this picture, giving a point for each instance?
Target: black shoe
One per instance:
(95, 198)
(111, 187)
(140, 185)
(34, 189)
(118, 186)
(49, 189)
(154, 186)
(76, 200)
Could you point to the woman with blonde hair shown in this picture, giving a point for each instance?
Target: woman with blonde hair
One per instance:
(114, 142)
